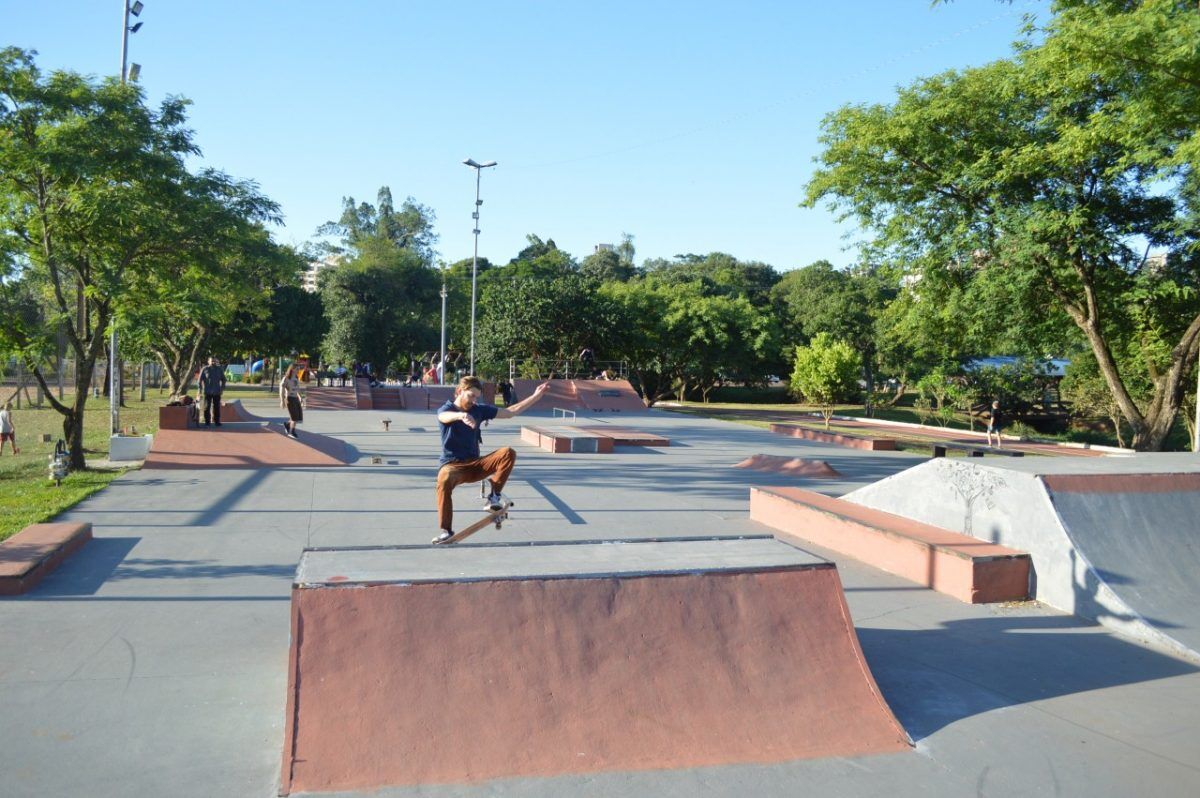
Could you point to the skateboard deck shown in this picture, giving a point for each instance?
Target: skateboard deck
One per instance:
(497, 517)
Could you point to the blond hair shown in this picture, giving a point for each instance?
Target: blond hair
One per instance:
(469, 383)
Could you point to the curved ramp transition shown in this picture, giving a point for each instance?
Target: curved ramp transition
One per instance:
(1112, 539)
(415, 665)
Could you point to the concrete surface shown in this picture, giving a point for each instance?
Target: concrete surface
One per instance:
(571, 658)
(154, 662)
(1116, 540)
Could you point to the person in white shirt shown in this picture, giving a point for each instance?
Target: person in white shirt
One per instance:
(8, 432)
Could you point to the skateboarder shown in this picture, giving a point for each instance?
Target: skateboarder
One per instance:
(461, 463)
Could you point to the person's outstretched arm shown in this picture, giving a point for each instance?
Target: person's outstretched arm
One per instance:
(523, 405)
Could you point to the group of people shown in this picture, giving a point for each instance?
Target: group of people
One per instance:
(211, 385)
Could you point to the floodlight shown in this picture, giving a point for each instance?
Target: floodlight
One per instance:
(134, 71)
(136, 28)
(136, 8)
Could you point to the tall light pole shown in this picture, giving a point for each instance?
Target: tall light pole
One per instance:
(441, 367)
(478, 167)
(114, 368)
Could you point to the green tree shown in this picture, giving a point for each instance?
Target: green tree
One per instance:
(718, 273)
(541, 260)
(1042, 174)
(646, 334)
(380, 307)
(199, 289)
(541, 319)
(410, 227)
(96, 199)
(725, 338)
(826, 372)
(845, 304)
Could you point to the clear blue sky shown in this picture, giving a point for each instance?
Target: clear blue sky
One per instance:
(690, 125)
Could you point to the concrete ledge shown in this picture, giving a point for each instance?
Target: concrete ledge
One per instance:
(178, 417)
(623, 436)
(809, 434)
(35, 551)
(968, 569)
(561, 440)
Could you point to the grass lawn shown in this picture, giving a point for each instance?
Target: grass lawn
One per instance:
(27, 495)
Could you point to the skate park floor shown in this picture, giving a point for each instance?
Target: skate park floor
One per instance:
(154, 660)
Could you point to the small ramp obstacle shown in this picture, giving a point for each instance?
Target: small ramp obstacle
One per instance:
(608, 396)
(793, 466)
(560, 440)
(585, 396)
(244, 446)
(327, 398)
(235, 411)
(624, 436)
(1115, 540)
(424, 665)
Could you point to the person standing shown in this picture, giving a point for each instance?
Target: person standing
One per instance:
(995, 422)
(461, 463)
(8, 431)
(291, 396)
(212, 385)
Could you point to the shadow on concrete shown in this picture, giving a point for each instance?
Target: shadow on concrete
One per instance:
(85, 572)
(932, 678)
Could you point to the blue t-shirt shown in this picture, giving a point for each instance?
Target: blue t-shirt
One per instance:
(460, 442)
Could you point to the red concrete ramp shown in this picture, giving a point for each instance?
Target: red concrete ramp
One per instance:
(244, 446)
(795, 466)
(331, 398)
(561, 393)
(420, 665)
(609, 396)
(235, 411)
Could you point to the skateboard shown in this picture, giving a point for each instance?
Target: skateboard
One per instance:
(497, 517)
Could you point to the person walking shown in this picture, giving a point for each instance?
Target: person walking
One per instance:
(291, 396)
(212, 385)
(461, 463)
(995, 422)
(8, 430)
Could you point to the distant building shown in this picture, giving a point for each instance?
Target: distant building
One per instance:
(604, 248)
(310, 276)
(1156, 263)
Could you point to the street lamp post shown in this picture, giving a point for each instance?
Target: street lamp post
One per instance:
(478, 167)
(442, 354)
(127, 73)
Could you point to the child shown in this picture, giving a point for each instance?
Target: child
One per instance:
(8, 432)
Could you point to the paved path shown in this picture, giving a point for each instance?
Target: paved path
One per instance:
(154, 662)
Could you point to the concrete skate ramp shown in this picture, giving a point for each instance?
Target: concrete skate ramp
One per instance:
(418, 665)
(1115, 540)
(236, 411)
(795, 466)
(561, 393)
(608, 396)
(244, 445)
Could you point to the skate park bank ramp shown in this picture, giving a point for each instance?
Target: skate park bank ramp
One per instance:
(244, 445)
(584, 396)
(421, 665)
(1115, 540)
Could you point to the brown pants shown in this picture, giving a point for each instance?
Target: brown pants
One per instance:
(497, 465)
